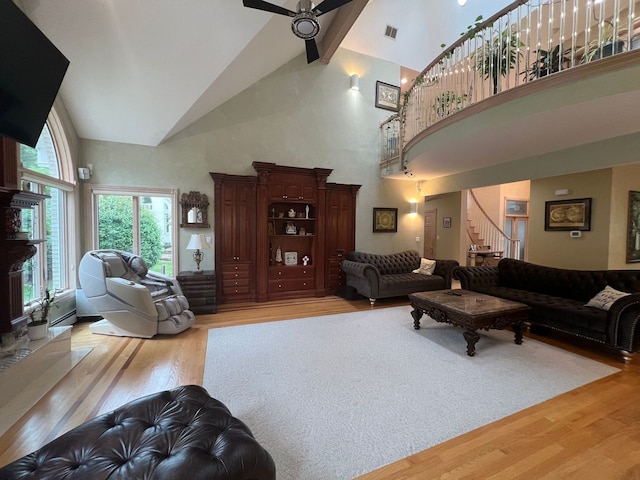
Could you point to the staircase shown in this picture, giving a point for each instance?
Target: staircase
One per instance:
(484, 233)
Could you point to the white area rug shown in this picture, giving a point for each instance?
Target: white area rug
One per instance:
(337, 396)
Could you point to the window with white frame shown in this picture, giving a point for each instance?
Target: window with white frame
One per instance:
(41, 173)
(138, 220)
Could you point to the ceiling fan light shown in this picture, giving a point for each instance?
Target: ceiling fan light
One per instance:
(305, 25)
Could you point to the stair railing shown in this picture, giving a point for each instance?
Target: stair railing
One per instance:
(525, 41)
(487, 230)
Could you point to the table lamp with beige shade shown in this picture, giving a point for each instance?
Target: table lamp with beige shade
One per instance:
(198, 243)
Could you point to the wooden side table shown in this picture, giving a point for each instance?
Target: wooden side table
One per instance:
(200, 290)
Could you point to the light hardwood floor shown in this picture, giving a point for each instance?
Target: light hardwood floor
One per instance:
(592, 432)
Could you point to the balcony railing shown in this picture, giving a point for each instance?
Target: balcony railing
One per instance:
(523, 42)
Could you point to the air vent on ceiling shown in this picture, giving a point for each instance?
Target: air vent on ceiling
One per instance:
(391, 32)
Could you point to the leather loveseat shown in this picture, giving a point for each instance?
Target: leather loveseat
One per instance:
(172, 435)
(558, 299)
(381, 276)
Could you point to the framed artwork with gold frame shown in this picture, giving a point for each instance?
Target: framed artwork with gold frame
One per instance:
(385, 220)
(565, 215)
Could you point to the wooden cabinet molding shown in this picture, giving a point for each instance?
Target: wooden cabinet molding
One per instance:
(249, 229)
(235, 237)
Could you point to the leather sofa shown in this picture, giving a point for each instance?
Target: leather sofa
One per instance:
(171, 435)
(382, 276)
(558, 299)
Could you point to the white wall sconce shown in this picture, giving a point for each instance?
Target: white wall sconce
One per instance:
(355, 82)
(562, 191)
(198, 243)
(84, 173)
(413, 208)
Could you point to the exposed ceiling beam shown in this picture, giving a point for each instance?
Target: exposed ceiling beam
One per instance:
(340, 26)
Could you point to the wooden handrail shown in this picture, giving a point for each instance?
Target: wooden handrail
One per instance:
(489, 218)
(471, 32)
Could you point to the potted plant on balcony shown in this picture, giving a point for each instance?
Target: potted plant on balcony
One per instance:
(603, 46)
(38, 323)
(498, 56)
(548, 62)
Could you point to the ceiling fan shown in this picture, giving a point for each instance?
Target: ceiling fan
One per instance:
(305, 23)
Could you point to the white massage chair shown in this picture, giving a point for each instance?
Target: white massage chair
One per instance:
(133, 301)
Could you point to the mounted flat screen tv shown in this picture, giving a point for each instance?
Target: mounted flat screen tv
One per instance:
(31, 71)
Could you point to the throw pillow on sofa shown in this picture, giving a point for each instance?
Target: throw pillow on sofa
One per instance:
(426, 266)
(604, 299)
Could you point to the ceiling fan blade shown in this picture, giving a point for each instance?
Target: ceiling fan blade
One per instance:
(268, 7)
(328, 5)
(312, 50)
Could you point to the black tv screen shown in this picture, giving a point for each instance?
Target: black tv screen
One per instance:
(31, 71)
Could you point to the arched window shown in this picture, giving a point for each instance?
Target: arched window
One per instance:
(44, 170)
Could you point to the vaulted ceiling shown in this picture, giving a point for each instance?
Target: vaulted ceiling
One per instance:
(142, 70)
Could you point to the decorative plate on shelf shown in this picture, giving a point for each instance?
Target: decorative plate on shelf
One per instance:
(290, 258)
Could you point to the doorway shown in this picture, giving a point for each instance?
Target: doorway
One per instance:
(516, 228)
(430, 233)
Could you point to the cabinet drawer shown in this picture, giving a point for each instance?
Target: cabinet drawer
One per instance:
(235, 276)
(198, 290)
(201, 301)
(235, 267)
(196, 279)
(235, 282)
(233, 286)
(292, 284)
(235, 289)
(292, 271)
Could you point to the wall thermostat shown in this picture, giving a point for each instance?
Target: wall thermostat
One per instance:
(575, 233)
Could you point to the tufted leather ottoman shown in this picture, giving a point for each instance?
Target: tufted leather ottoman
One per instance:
(172, 435)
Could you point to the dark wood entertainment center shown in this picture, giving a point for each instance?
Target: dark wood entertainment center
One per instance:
(281, 234)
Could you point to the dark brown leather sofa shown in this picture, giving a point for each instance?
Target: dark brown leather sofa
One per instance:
(172, 435)
(381, 276)
(557, 298)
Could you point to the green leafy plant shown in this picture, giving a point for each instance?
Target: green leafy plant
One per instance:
(116, 228)
(547, 62)
(448, 102)
(498, 55)
(604, 45)
(471, 28)
(44, 307)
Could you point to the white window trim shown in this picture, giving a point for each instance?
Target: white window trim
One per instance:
(66, 183)
(91, 191)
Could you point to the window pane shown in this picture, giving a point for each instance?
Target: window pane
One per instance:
(115, 222)
(55, 227)
(522, 235)
(141, 224)
(43, 158)
(155, 233)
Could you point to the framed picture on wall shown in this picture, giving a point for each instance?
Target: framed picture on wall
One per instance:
(517, 208)
(564, 215)
(387, 96)
(633, 228)
(446, 222)
(385, 220)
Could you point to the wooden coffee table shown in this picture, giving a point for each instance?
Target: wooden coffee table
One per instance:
(471, 311)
